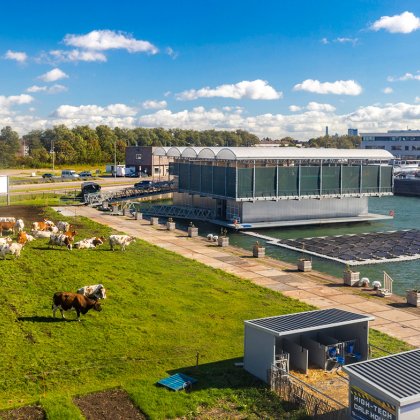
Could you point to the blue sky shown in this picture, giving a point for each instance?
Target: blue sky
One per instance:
(275, 68)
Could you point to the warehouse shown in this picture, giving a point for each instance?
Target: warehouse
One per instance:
(251, 187)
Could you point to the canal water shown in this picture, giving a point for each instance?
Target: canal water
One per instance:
(406, 274)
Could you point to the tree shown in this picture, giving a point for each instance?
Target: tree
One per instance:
(9, 146)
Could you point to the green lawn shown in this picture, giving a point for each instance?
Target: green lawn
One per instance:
(161, 310)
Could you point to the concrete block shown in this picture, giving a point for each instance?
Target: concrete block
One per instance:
(192, 231)
(138, 215)
(351, 278)
(304, 265)
(223, 241)
(258, 251)
(170, 225)
(154, 220)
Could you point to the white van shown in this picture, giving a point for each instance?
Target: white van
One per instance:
(69, 174)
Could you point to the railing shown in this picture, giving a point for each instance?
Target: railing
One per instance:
(182, 212)
(312, 400)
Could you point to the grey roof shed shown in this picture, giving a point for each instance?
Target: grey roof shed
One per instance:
(394, 379)
(306, 337)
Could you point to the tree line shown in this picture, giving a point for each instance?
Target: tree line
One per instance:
(86, 145)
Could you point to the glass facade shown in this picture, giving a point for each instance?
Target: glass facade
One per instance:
(248, 182)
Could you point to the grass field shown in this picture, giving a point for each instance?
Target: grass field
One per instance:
(162, 312)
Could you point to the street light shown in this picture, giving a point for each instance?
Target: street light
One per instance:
(52, 153)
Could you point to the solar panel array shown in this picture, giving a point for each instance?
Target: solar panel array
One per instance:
(398, 374)
(379, 246)
(307, 320)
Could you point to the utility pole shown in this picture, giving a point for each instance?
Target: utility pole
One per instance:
(115, 158)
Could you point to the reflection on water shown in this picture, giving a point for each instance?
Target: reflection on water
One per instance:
(406, 274)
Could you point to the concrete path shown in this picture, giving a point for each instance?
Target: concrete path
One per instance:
(392, 316)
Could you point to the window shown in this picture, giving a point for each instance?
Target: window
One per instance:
(396, 147)
(156, 170)
(138, 156)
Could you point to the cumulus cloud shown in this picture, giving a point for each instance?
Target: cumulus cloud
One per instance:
(388, 90)
(340, 87)
(103, 40)
(56, 88)
(255, 89)
(345, 40)
(154, 104)
(404, 23)
(77, 55)
(53, 75)
(315, 106)
(83, 111)
(295, 108)
(325, 41)
(18, 56)
(404, 77)
(7, 102)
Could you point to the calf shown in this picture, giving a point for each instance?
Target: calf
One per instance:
(22, 238)
(60, 239)
(89, 243)
(96, 292)
(66, 301)
(122, 240)
(14, 248)
(44, 225)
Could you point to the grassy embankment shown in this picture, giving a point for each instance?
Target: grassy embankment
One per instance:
(162, 310)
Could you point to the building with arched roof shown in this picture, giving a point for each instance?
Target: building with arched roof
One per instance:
(273, 186)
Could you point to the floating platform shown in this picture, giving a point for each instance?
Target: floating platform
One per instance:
(358, 249)
(370, 217)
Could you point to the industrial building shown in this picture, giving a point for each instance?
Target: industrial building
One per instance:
(251, 187)
(322, 338)
(404, 144)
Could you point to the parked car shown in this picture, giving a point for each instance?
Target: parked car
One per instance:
(69, 174)
(144, 185)
(47, 176)
(85, 174)
(90, 187)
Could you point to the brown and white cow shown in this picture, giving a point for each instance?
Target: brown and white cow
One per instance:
(6, 226)
(96, 291)
(66, 301)
(60, 239)
(122, 240)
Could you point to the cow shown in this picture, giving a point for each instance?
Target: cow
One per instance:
(71, 234)
(7, 219)
(19, 225)
(41, 233)
(96, 292)
(6, 241)
(14, 248)
(8, 226)
(122, 240)
(66, 301)
(89, 243)
(22, 237)
(60, 239)
(63, 226)
(44, 225)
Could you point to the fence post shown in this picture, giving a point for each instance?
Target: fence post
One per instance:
(197, 356)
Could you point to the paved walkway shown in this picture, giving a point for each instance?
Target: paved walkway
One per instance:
(392, 316)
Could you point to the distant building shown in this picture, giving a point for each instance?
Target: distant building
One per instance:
(404, 144)
(143, 160)
(352, 132)
(326, 131)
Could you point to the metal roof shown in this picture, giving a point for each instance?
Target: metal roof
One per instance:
(272, 153)
(397, 376)
(307, 321)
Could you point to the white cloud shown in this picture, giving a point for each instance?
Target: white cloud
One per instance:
(57, 88)
(340, 87)
(388, 90)
(417, 99)
(102, 40)
(404, 23)
(6, 102)
(295, 108)
(77, 55)
(256, 89)
(345, 40)
(154, 104)
(325, 41)
(404, 77)
(84, 111)
(315, 106)
(18, 56)
(53, 75)
(171, 52)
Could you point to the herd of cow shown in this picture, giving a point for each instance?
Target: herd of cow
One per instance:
(60, 234)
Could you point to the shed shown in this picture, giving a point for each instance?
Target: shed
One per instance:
(322, 338)
(386, 388)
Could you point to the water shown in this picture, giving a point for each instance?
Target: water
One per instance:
(406, 274)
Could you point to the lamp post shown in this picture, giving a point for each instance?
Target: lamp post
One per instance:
(52, 153)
